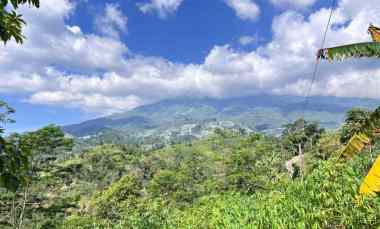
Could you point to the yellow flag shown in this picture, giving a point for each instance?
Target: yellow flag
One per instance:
(371, 184)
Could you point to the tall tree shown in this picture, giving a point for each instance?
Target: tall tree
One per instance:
(5, 112)
(11, 22)
(44, 145)
(356, 122)
(301, 133)
(13, 161)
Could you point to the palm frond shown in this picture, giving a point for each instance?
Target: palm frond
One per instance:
(355, 145)
(358, 50)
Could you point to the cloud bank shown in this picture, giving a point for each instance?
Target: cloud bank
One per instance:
(60, 65)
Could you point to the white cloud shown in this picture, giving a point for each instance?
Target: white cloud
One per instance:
(17, 81)
(162, 7)
(91, 103)
(244, 9)
(293, 3)
(112, 21)
(74, 29)
(247, 40)
(51, 42)
(63, 66)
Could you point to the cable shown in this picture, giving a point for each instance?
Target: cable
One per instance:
(315, 74)
(316, 65)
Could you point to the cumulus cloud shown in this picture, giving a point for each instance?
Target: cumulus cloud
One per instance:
(112, 21)
(51, 42)
(61, 65)
(244, 9)
(293, 3)
(162, 7)
(91, 103)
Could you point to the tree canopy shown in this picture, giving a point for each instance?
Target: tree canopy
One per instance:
(13, 161)
(11, 22)
(300, 133)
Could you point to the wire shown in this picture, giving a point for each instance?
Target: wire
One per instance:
(315, 74)
(316, 65)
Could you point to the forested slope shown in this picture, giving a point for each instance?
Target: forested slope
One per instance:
(227, 180)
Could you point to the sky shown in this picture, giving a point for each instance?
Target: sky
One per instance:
(89, 58)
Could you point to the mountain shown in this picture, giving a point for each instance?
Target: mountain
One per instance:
(186, 118)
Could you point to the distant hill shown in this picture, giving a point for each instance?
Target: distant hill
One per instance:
(186, 118)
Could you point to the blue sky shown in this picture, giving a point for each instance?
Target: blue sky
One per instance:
(185, 36)
(85, 59)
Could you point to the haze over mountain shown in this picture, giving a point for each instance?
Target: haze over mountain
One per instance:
(195, 118)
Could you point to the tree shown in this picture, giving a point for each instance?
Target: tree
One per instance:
(356, 122)
(11, 22)
(13, 161)
(44, 145)
(23, 156)
(5, 112)
(299, 133)
(14, 167)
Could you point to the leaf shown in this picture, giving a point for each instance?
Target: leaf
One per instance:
(355, 145)
(9, 182)
(358, 50)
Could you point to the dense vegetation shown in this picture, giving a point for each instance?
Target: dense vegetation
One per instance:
(231, 179)
(227, 180)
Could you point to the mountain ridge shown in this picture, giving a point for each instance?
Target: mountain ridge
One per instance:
(262, 113)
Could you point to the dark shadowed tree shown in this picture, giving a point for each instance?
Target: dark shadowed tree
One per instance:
(11, 22)
(13, 161)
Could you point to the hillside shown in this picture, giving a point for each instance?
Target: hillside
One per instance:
(181, 119)
(226, 180)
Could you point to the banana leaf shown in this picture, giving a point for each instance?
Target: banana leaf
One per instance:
(371, 184)
(355, 145)
(367, 49)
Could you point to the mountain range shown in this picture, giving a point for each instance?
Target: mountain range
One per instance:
(185, 118)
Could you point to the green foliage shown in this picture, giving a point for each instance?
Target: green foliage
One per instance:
(228, 180)
(360, 121)
(355, 123)
(326, 198)
(255, 168)
(5, 112)
(47, 140)
(367, 49)
(11, 22)
(14, 166)
(75, 222)
(176, 177)
(23, 159)
(121, 195)
(66, 186)
(14, 162)
(301, 133)
(327, 145)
